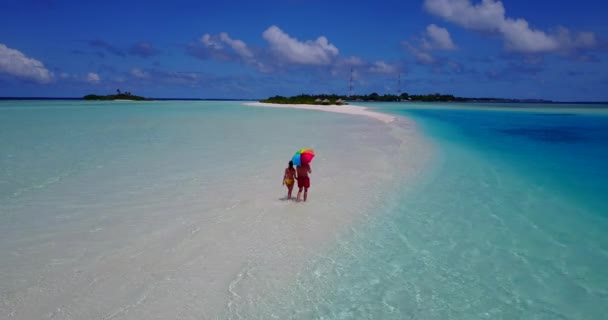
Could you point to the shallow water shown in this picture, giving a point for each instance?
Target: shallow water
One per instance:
(165, 210)
(509, 223)
(122, 210)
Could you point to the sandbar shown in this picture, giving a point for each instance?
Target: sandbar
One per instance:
(347, 109)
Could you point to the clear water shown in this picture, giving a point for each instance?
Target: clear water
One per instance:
(174, 210)
(164, 210)
(561, 149)
(510, 224)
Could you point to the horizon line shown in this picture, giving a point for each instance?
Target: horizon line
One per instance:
(514, 100)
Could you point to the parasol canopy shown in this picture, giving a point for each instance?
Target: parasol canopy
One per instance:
(303, 156)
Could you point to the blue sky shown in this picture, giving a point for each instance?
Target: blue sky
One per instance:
(256, 49)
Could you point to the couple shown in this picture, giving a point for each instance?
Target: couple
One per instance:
(300, 173)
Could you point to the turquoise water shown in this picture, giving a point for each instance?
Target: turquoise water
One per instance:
(560, 149)
(138, 211)
(509, 224)
(172, 209)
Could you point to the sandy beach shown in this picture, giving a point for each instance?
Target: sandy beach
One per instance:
(460, 167)
(186, 217)
(346, 109)
(175, 210)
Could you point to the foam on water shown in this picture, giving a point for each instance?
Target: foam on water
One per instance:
(121, 210)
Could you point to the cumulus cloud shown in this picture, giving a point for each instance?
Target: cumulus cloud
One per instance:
(284, 52)
(223, 41)
(238, 46)
(433, 39)
(383, 68)
(16, 64)
(93, 77)
(419, 54)
(318, 52)
(211, 43)
(138, 73)
(209, 48)
(490, 16)
(222, 47)
(437, 38)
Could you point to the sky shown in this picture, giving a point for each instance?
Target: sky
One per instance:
(246, 49)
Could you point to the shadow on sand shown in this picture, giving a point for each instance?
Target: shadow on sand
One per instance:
(293, 199)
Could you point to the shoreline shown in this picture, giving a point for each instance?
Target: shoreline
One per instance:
(340, 214)
(214, 237)
(345, 109)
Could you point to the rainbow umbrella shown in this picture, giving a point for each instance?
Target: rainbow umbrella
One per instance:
(303, 156)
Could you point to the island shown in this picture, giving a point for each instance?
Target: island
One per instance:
(118, 96)
(307, 99)
(330, 99)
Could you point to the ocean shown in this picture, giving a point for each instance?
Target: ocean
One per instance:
(174, 209)
(509, 222)
(122, 210)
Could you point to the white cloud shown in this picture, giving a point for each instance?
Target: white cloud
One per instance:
(93, 77)
(282, 52)
(283, 49)
(15, 63)
(217, 44)
(580, 40)
(138, 73)
(438, 38)
(421, 55)
(383, 67)
(518, 36)
(490, 16)
(238, 46)
(318, 52)
(434, 39)
(485, 16)
(210, 42)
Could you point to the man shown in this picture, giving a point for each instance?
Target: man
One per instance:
(303, 180)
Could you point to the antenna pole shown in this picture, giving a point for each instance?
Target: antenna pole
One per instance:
(399, 85)
(350, 86)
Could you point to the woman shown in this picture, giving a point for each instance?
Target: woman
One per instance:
(289, 178)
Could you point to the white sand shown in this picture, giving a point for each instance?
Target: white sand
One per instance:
(348, 109)
(191, 226)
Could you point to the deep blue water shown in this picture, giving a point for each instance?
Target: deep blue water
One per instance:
(563, 151)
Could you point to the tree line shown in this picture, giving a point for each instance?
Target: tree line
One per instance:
(313, 99)
(118, 96)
